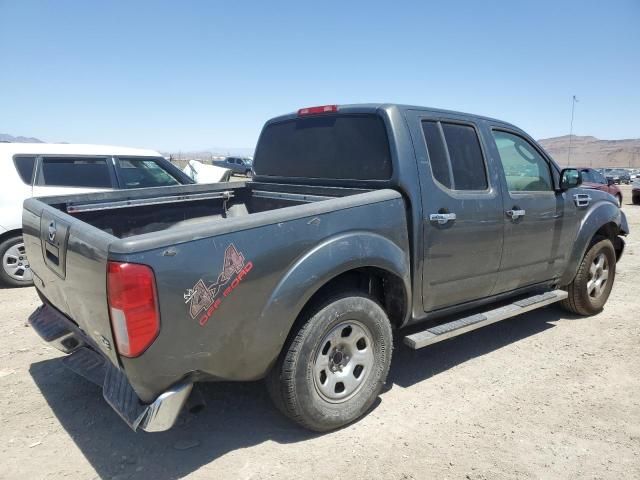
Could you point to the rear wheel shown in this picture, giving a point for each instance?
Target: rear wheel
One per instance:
(15, 271)
(592, 284)
(636, 200)
(335, 365)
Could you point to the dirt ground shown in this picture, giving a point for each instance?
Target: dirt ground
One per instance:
(544, 395)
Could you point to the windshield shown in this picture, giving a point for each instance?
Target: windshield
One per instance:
(352, 147)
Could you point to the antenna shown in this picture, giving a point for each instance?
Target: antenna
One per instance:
(574, 100)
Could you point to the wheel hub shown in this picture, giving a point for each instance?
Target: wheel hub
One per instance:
(598, 276)
(15, 263)
(343, 361)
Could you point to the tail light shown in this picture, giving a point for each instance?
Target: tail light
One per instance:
(317, 110)
(133, 307)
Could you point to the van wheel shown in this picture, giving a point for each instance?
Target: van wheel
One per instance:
(333, 367)
(592, 284)
(15, 271)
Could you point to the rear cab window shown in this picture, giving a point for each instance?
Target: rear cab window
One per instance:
(341, 146)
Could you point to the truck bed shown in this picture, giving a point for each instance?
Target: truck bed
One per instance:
(125, 214)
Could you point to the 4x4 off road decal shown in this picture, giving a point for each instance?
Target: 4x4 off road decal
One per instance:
(206, 299)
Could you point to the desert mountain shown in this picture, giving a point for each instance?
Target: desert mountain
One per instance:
(593, 152)
(5, 137)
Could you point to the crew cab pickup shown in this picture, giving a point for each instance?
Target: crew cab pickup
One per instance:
(360, 220)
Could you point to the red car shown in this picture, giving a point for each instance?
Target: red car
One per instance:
(593, 179)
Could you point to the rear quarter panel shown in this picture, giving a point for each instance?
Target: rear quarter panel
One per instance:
(290, 259)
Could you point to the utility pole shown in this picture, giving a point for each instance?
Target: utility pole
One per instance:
(574, 100)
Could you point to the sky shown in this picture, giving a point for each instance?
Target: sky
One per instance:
(191, 75)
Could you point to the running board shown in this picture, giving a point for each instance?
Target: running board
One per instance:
(473, 322)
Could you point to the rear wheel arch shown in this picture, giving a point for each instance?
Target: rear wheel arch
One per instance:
(355, 258)
(386, 287)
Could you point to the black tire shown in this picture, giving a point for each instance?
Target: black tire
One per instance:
(248, 174)
(293, 382)
(636, 200)
(5, 278)
(580, 299)
(619, 197)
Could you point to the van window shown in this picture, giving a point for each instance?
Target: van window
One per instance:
(89, 172)
(25, 165)
(464, 169)
(136, 172)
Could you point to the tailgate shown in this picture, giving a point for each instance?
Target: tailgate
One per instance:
(69, 262)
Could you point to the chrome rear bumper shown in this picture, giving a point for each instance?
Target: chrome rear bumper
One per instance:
(62, 334)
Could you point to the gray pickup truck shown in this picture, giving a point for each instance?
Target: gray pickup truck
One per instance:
(360, 220)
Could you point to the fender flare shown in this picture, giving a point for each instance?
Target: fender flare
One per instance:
(318, 266)
(603, 214)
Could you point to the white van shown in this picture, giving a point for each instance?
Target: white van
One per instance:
(43, 169)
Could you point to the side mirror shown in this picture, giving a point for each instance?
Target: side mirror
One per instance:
(570, 178)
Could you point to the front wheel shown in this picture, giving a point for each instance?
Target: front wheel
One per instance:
(334, 366)
(592, 284)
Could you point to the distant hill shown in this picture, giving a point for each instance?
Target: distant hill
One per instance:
(5, 137)
(591, 151)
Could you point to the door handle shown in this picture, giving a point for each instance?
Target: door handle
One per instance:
(442, 218)
(515, 214)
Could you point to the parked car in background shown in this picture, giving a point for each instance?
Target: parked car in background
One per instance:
(591, 178)
(238, 165)
(205, 173)
(42, 169)
(617, 175)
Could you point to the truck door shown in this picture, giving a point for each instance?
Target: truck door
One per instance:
(533, 213)
(462, 205)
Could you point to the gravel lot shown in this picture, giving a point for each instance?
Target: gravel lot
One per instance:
(545, 395)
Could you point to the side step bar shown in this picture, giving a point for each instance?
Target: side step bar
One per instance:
(473, 322)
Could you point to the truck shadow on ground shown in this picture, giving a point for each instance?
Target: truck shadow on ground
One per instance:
(237, 415)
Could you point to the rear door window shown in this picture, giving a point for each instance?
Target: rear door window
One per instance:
(455, 155)
(25, 165)
(137, 172)
(89, 172)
